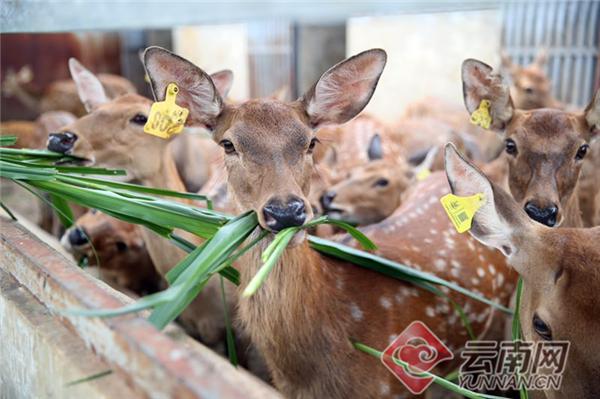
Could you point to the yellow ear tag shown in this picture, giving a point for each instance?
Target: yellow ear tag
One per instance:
(481, 116)
(461, 210)
(423, 174)
(166, 117)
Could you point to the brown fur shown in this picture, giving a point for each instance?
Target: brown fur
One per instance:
(560, 270)
(311, 306)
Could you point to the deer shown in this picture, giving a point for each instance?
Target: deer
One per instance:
(111, 135)
(560, 269)
(311, 306)
(60, 95)
(531, 88)
(544, 149)
(116, 249)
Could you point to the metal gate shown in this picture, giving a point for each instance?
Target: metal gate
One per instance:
(570, 33)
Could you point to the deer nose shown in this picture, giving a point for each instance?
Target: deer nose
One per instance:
(545, 216)
(327, 199)
(280, 215)
(61, 142)
(77, 237)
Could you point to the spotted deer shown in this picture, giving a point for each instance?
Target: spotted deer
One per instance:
(112, 135)
(560, 270)
(544, 148)
(530, 86)
(116, 249)
(311, 306)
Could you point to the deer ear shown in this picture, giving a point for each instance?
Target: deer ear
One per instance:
(499, 219)
(592, 115)
(481, 83)
(345, 89)
(90, 90)
(375, 150)
(197, 91)
(223, 81)
(541, 59)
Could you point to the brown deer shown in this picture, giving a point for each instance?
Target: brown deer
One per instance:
(116, 248)
(544, 148)
(560, 270)
(311, 306)
(531, 88)
(112, 135)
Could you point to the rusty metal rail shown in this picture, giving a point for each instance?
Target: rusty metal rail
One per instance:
(42, 350)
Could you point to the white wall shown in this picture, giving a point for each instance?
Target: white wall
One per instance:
(217, 47)
(425, 52)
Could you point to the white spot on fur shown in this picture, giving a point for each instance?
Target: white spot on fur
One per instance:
(492, 269)
(429, 311)
(455, 273)
(385, 302)
(384, 389)
(439, 264)
(500, 278)
(474, 280)
(480, 272)
(357, 313)
(433, 231)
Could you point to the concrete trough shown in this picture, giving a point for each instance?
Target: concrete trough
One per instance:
(43, 352)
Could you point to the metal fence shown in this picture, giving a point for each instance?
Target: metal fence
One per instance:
(570, 33)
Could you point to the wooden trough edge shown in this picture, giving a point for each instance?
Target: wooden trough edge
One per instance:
(155, 363)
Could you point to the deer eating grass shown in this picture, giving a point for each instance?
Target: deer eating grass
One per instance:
(111, 135)
(560, 270)
(311, 306)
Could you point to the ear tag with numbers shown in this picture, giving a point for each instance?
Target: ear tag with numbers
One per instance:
(166, 117)
(461, 210)
(481, 116)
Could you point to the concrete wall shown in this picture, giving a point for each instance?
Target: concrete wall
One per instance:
(425, 52)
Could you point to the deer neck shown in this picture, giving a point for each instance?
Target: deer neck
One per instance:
(297, 307)
(164, 174)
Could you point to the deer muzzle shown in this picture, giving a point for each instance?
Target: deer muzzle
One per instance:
(280, 214)
(61, 142)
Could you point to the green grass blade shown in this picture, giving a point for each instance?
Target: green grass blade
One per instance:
(89, 378)
(65, 214)
(274, 251)
(231, 351)
(449, 385)
(7, 140)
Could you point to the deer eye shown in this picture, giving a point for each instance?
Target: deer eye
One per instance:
(381, 182)
(581, 152)
(541, 328)
(313, 143)
(139, 119)
(227, 146)
(510, 146)
(121, 246)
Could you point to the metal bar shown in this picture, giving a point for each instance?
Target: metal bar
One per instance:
(72, 15)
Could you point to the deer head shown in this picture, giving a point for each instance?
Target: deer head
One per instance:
(268, 144)
(112, 133)
(371, 192)
(544, 148)
(114, 246)
(531, 87)
(560, 270)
